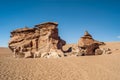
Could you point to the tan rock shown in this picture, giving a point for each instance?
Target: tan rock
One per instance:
(41, 38)
(89, 44)
(28, 55)
(98, 52)
(106, 50)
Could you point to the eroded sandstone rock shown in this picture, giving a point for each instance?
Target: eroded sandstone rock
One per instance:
(41, 38)
(88, 44)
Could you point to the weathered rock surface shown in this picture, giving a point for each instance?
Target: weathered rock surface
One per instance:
(88, 44)
(41, 38)
(87, 40)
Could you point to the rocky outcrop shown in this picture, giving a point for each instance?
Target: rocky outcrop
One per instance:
(87, 40)
(42, 38)
(88, 44)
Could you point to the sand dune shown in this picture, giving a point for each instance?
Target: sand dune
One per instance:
(102, 67)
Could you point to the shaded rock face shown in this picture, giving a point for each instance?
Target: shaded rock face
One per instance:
(88, 44)
(90, 49)
(41, 38)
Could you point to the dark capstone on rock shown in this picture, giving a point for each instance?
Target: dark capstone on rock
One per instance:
(88, 44)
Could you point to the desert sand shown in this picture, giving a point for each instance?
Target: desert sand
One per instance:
(101, 67)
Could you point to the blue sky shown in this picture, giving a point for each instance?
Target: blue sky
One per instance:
(100, 17)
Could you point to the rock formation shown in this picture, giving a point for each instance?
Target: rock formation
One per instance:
(87, 40)
(88, 44)
(42, 38)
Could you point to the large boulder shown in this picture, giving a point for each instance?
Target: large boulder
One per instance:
(41, 38)
(88, 44)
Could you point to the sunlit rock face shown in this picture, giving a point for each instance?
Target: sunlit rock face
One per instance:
(89, 44)
(42, 38)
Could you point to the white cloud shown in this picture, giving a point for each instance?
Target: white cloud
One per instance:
(118, 37)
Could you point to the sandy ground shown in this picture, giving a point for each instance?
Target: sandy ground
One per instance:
(103, 67)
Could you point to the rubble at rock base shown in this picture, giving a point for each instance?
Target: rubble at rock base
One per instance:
(43, 41)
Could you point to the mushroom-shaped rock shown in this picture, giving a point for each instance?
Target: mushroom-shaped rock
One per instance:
(89, 44)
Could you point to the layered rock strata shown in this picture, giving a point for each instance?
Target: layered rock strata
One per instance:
(88, 44)
(40, 39)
